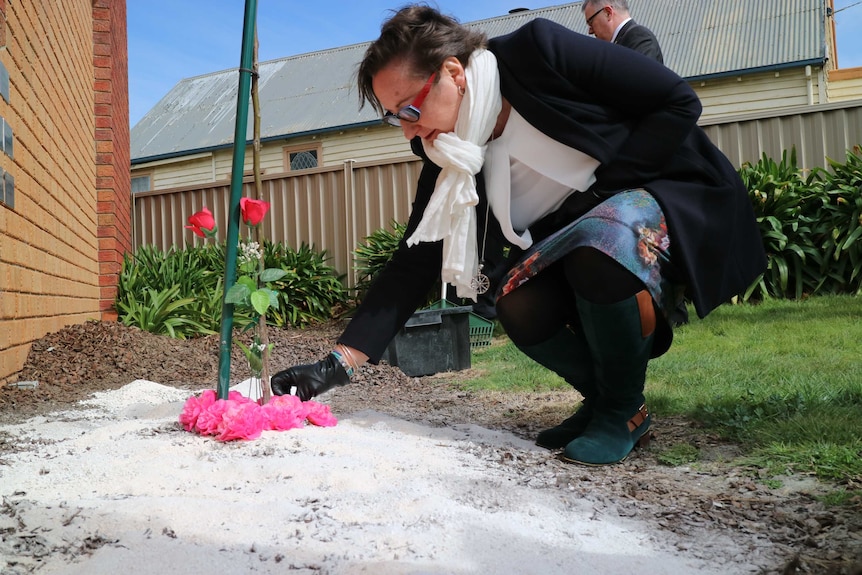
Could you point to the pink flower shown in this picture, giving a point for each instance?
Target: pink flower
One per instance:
(241, 420)
(319, 414)
(284, 412)
(239, 417)
(252, 210)
(237, 397)
(194, 407)
(191, 411)
(202, 223)
(210, 420)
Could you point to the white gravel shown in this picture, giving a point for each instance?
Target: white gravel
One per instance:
(119, 487)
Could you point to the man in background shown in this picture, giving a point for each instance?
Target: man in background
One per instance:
(609, 20)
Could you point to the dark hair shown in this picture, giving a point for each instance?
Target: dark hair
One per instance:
(421, 36)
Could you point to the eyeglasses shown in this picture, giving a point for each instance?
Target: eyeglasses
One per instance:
(410, 113)
(596, 13)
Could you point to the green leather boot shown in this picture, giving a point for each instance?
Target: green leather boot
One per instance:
(620, 337)
(567, 354)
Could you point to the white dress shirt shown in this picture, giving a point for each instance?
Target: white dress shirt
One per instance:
(528, 175)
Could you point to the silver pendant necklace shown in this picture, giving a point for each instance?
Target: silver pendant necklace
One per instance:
(481, 283)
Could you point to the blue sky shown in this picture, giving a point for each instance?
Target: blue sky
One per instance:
(174, 39)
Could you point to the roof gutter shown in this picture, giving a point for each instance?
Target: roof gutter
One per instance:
(183, 153)
(774, 68)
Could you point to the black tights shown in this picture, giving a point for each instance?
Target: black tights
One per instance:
(538, 309)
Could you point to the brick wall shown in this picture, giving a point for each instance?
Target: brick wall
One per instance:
(66, 63)
(113, 180)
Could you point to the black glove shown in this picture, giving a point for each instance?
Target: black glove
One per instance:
(310, 380)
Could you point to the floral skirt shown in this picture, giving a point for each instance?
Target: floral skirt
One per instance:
(629, 227)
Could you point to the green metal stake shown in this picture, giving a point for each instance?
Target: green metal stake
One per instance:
(239, 138)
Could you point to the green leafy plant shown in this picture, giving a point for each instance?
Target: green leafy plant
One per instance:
(372, 254)
(170, 284)
(840, 223)
(311, 290)
(780, 198)
(162, 312)
(810, 225)
(208, 300)
(150, 267)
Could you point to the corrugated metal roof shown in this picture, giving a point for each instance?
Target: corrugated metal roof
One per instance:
(713, 38)
(314, 92)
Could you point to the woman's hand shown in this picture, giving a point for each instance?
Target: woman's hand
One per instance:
(310, 380)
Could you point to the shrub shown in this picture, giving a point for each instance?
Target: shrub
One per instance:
(782, 201)
(162, 312)
(810, 226)
(374, 252)
(180, 292)
(311, 290)
(840, 224)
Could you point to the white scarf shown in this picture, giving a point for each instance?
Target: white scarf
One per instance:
(450, 214)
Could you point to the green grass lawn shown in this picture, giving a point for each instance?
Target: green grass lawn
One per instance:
(781, 378)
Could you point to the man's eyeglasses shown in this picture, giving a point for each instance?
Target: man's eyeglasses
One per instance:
(411, 112)
(596, 13)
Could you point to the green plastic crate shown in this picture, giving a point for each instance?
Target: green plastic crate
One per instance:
(481, 329)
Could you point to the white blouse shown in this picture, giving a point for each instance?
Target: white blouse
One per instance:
(528, 175)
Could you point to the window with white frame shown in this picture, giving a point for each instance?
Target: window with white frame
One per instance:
(301, 157)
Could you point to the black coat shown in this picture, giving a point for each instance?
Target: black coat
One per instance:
(641, 39)
(638, 119)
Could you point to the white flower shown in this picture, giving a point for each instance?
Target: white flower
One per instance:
(248, 252)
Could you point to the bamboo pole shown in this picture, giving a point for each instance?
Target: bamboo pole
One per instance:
(258, 230)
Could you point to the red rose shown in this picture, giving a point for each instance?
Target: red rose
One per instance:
(202, 223)
(252, 210)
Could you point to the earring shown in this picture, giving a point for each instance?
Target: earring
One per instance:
(460, 90)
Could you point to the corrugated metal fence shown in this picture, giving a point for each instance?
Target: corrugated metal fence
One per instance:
(335, 209)
(331, 209)
(817, 133)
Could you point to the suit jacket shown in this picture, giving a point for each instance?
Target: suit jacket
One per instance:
(638, 119)
(641, 39)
